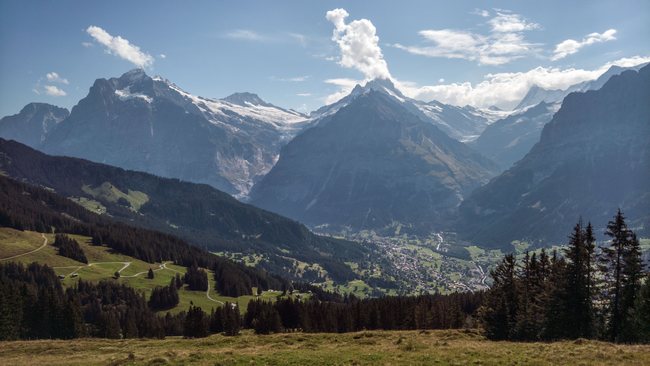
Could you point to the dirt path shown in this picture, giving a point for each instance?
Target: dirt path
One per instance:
(207, 294)
(33, 251)
(160, 267)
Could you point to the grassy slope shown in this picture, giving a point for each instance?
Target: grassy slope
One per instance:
(365, 348)
(105, 263)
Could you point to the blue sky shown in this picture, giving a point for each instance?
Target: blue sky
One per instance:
(296, 55)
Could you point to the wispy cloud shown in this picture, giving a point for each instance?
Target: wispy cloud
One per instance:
(120, 47)
(481, 12)
(162, 56)
(294, 79)
(87, 44)
(246, 35)
(300, 38)
(54, 77)
(54, 91)
(571, 46)
(504, 42)
(304, 94)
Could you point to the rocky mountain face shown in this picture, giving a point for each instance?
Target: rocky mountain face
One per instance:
(33, 123)
(592, 158)
(508, 140)
(461, 123)
(372, 162)
(149, 124)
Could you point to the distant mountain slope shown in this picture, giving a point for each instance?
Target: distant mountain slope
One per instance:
(592, 158)
(199, 213)
(149, 124)
(33, 123)
(372, 163)
(537, 94)
(509, 139)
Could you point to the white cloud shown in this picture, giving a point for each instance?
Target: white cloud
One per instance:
(294, 79)
(345, 87)
(504, 43)
(300, 38)
(570, 46)
(304, 94)
(54, 77)
(481, 12)
(505, 22)
(246, 35)
(120, 47)
(358, 44)
(87, 44)
(54, 91)
(163, 56)
(505, 90)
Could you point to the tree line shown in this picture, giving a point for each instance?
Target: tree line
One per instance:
(69, 248)
(588, 292)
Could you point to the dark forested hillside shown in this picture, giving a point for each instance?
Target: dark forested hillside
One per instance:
(198, 213)
(26, 207)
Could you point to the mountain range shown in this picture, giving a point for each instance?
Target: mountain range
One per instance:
(593, 157)
(150, 124)
(375, 159)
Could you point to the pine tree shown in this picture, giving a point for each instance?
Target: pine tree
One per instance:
(554, 300)
(612, 267)
(150, 274)
(499, 313)
(633, 275)
(579, 315)
(641, 314)
(196, 323)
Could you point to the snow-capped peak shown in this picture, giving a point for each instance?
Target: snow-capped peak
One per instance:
(247, 99)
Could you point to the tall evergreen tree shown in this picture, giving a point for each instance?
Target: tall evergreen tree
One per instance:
(612, 266)
(579, 315)
(499, 312)
(633, 275)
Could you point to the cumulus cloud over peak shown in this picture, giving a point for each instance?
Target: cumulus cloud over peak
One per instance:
(359, 45)
(571, 46)
(120, 47)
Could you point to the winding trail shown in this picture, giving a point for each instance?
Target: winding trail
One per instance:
(33, 251)
(207, 294)
(161, 267)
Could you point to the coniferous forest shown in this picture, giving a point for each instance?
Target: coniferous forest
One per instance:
(586, 291)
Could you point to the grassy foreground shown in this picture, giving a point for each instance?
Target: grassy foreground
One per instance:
(363, 348)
